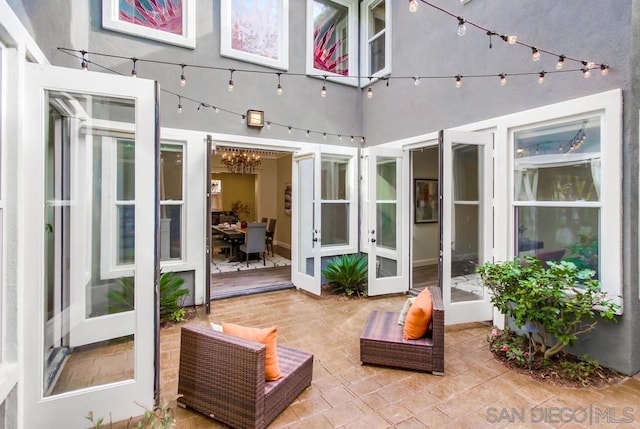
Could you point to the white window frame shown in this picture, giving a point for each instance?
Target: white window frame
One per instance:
(177, 203)
(352, 20)
(365, 65)
(109, 266)
(608, 107)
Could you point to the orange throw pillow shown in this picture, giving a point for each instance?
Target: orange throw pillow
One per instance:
(419, 317)
(266, 336)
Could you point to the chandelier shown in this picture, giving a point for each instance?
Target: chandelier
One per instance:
(241, 162)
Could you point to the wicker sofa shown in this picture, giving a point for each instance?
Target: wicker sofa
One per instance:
(381, 341)
(223, 377)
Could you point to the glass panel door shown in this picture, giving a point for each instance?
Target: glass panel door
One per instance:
(88, 257)
(466, 219)
(305, 224)
(387, 230)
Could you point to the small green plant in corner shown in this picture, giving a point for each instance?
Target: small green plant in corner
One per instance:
(160, 418)
(557, 303)
(347, 274)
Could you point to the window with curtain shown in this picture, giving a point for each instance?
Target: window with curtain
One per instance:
(171, 201)
(557, 192)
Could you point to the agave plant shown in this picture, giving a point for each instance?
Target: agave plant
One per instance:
(347, 274)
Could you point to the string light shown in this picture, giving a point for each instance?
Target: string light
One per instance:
(413, 6)
(215, 109)
(370, 90)
(134, 73)
(323, 91)
(183, 80)
(351, 139)
(458, 81)
(462, 29)
(416, 80)
(512, 40)
(308, 133)
(85, 64)
(242, 119)
(324, 136)
(268, 125)
(535, 54)
(541, 77)
(560, 63)
(289, 130)
(279, 88)
(230, 85)
(604, 69)
(179, 104)
(587, 73)
(503, 79)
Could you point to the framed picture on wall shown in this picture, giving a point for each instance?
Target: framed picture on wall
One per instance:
(426, 206)
(169, 21)
(256, 31)
(287, 199)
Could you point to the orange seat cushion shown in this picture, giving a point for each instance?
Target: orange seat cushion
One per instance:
(266, 336)
(419, 317)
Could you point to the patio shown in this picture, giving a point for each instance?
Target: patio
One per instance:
(476, 391)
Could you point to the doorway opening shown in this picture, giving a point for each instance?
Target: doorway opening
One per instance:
(249, 186)
(424, 214)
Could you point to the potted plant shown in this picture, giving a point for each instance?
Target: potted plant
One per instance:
(241, 211)
(554, 304)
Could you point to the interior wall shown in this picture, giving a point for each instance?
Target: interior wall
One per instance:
(238, 187)
(283, 227)
(425, 235)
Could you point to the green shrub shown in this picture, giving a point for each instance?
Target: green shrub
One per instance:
(171, 296)
(347, 274)
(160, 418)
(557, 303)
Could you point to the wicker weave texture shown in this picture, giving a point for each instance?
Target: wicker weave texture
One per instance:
(222, 377)
(381, 341)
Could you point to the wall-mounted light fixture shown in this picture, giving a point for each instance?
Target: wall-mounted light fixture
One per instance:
(255, 118)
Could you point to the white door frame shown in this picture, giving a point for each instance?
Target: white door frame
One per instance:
(116, 399)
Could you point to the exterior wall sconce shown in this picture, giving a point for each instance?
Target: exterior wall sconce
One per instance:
(255, 118)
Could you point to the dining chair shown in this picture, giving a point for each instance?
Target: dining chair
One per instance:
(264, 220)
(254, 241)
(269, 235)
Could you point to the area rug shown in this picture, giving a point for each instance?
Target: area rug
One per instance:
(221, 264)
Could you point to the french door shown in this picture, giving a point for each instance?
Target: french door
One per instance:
(89, 258)
(386, 208)
(466, 223)
(324, 211)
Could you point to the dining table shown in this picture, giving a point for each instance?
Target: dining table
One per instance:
(234, 236)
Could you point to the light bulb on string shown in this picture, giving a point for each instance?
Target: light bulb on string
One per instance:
(586, 72)
(560, 63)
(230, 85)
(416, 80)
(308, 133)
(179, 104)
(512, 40)
(134, 73)
(340, 137)
(268, 125)
(323, 91)
(413, 6)
(604, 69)
(535, 54)
(462, 29)
(183, 80)
(324, 136)
(242, 119)
(503, 79)
(351, 139)
(541, 77)
(589, 65)
(84, 65)
(362, 139)
(279, 88)
(370, 90)
(289, 130)
(215, 109)
(458, 81)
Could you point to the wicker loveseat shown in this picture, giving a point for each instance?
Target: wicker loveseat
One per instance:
(223, 377)
(382, 343)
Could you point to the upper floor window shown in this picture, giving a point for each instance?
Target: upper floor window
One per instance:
(332, 39)
(376, 43)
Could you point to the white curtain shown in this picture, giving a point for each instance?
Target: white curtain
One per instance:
(595, 174)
